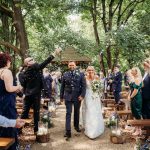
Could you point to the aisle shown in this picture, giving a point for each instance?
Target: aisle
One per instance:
(78, 141)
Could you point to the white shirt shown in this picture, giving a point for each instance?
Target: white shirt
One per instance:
(145, 75)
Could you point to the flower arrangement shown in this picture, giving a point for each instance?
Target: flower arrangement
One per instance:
(96, 86)
(46, 118)
(112, 121)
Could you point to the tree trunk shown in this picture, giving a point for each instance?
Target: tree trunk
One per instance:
(116, 55)
(94, 17)
(108, 50)
(20, 28)
(5, 29)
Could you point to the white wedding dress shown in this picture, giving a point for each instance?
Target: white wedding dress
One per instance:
(91, 113)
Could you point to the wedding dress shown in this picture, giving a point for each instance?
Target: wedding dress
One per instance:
(92, 119)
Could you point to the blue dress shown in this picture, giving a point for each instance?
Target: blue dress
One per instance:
(8, 109)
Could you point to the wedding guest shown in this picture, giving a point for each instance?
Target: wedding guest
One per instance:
(47, 84)
(109, 80)
(127, 91)
(8, 97)
(135, 97)
(73, 89)
(103, 82)
(117, 83)
(16, 123)
(32, 84)
(56, 85)
(146, 90)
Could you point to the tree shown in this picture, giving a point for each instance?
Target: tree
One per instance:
(111, 15)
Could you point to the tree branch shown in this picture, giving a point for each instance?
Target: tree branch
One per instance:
(119, 13)
(117, 7)
(128, 6)
(7, 44)
(6, 11)
(104, 15)
(110, 14)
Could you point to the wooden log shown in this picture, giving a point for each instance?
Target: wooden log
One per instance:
(5, 143)
(144, 122)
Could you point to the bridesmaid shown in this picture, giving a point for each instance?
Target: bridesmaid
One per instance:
(146, 90)
(135, 97)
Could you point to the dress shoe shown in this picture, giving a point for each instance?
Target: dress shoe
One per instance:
(77, 129)
(68, 135)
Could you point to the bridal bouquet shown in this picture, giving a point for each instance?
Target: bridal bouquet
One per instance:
(96, 86)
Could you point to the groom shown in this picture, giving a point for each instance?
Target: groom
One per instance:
(73, 88)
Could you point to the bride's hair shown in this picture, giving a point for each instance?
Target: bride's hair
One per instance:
(91, 68)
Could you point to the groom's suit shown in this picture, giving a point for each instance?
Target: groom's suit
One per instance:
(73, 85)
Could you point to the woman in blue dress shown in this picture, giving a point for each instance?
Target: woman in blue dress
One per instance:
(8, 97)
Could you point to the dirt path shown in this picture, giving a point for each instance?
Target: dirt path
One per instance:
(78, 141)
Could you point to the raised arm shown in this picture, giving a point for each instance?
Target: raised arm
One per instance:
(49, 59)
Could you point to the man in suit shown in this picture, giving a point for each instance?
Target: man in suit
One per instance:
(146, 90)
(117, 83)
(33, 85)
(73, 88)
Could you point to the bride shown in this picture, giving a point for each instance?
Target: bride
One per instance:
(92, 119)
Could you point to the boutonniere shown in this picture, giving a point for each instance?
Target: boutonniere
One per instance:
(77, 73)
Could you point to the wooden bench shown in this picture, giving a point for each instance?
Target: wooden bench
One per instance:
(5, 143)
(125, 114)
(141, 123)
(19, 111)
(108, 101)
(144, 122)
(110, 96)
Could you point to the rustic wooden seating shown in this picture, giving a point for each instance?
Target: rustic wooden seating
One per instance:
(5, 143)
(19, 111)
(141, 123)
(108, 101)
(124, 112)
(144, 122)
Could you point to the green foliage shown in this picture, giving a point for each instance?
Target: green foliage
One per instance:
(131, 43)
